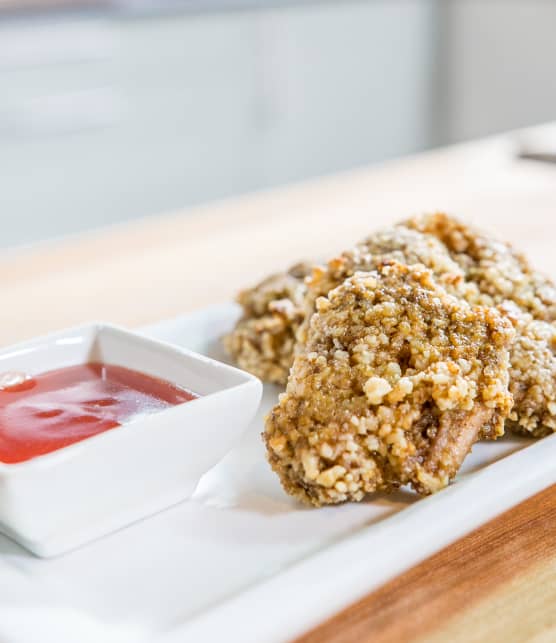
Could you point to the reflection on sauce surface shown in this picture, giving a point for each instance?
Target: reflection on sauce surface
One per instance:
(49, 411)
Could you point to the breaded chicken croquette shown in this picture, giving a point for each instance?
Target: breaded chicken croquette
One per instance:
(532, 373)
(468, 264)
(504, 277)
(499, 271)
(393, 386)
(392, 244)
(262, 341)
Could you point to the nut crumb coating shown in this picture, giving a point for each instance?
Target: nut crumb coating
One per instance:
(276, 310)
(466, 262)
(398, 244)
(393, 387)
(505, 278)
(501, 273)
(262, 341)
(532, 373)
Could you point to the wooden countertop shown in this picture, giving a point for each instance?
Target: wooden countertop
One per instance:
(499, 583)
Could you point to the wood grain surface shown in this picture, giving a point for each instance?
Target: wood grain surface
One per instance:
(496, 585)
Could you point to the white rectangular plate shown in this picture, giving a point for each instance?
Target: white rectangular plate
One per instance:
(241, 560)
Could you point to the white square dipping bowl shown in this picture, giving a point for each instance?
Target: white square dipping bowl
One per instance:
(58, 501)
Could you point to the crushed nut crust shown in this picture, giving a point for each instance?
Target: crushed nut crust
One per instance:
(274, 310)
(532, 373)
(392, 244)
(393, 386)
(504, 277)
(499, 271)
(466, 262)
(262, 341)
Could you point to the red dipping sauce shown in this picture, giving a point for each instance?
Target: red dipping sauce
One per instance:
(57, 408)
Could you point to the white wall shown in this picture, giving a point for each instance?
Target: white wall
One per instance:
(102, 120)
(498, 61)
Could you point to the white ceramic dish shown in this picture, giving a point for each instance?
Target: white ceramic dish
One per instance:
(242, 562)
(60, 500)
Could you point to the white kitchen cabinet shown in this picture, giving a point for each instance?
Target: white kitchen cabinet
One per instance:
(103, 119)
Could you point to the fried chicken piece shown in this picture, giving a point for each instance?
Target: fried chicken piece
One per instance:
(499, 271)
(504, 277)
(263, 339)
(274, 310)
(532, 373)
(393, 386)
(392, 244)
(467, 263)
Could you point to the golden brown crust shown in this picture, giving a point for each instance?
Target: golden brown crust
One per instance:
(501, 273)
(505, 278)
(532, 373)
(274, 310)
(398, 244)
(392, 387)
(262, 341)
(466, 262)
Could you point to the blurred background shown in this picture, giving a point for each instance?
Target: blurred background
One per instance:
(116, 110)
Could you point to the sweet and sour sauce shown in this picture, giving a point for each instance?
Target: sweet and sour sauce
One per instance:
(49, 411)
